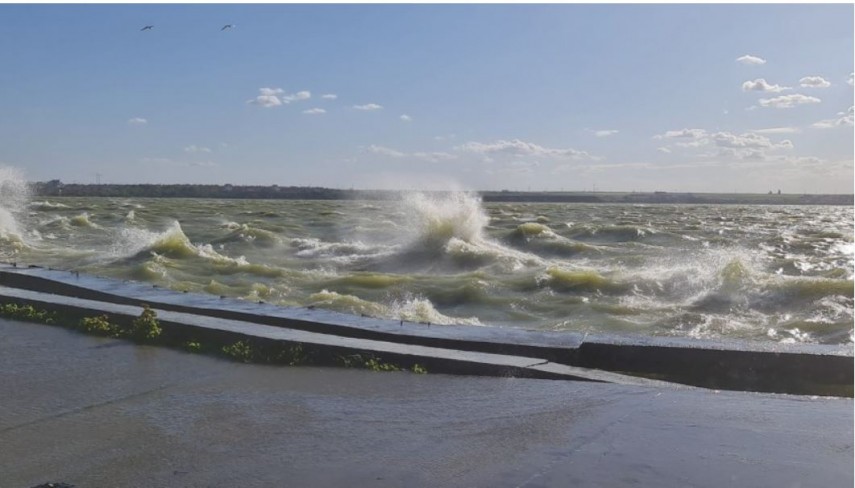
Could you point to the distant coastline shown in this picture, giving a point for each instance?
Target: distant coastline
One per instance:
(55, 188)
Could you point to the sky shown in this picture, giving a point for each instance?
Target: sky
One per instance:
(696, 98)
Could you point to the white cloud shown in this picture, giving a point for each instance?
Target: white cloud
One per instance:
(693, 143)
(663, 150)
(266, 101)
(814, 82)
(196, 149)
(682, 134)
(433, 156)
(517, 147)
(267, 92)
(204, 164)
(750, 146)
(605, 132)
(747, 140)
(329, 96)
(406, 118)
(302, 95)
(274, 97)
(851, 80)
(749, 59)
(788, 101)
(315, 111)
(137, 121)
(760, 84)
(844, 119)
(777, 130)
(368, 106)
(423, 156)
(690, 138)
(385, 151)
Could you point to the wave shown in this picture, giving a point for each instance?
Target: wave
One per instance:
(46, 205)
(349, 253)
(437, 219)
(14, 195)
(611, 233)
(418, 309)
(351, 304)
(82, 220)
(541, 239)
(447, 231)
(245, 233)
(371, 280)
(588, 280)
(409, 308)
(172, 243)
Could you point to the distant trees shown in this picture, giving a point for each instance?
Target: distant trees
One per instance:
(58, 188)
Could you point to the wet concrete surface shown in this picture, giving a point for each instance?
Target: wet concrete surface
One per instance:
(99, 412)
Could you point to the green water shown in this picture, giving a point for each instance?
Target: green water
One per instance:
(765, 273)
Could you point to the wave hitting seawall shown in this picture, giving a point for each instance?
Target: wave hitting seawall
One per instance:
(772, 274)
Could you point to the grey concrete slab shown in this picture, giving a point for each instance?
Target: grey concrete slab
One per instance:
(446, 360)
(99, 412)
(736, 365)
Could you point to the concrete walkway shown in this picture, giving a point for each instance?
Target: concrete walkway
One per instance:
(98, 412)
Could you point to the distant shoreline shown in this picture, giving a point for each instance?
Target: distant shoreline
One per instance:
(56, 188)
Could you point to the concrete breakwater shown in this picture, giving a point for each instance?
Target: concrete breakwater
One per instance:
(782, 368)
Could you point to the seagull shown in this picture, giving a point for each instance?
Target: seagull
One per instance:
(227, 26)
(148, 27)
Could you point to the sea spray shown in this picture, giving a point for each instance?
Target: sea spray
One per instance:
(448, 228)
(14, 196)
(438, 218)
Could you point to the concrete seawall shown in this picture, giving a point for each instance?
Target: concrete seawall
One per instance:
(781, 368)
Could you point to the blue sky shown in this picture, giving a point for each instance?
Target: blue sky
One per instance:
(714, 98)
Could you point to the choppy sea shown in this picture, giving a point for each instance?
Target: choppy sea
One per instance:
(760, 273)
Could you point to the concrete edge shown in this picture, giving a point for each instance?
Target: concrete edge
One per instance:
(806, 369)
(179, 326)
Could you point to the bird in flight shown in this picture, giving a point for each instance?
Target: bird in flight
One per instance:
(227, 26)
(148, 27)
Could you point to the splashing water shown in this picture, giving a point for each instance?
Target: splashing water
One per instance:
(14, 196)
(440, 218)
(453, 224)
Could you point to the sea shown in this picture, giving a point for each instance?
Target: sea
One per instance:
(780, 274)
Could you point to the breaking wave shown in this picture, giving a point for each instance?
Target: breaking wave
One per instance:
(171, 243)
(410, 308)
(448, 231)
(14, 196)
